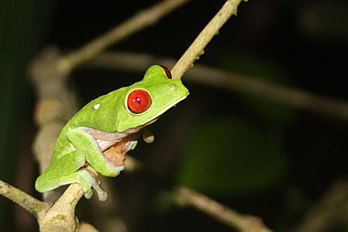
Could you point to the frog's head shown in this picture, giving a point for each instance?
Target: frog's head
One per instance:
(146, 100)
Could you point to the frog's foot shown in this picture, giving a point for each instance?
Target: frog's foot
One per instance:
(88, 182)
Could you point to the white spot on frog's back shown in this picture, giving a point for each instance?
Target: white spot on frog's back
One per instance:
(96, 106)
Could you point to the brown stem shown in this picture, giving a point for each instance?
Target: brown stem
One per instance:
(220, 212)
(29, 203)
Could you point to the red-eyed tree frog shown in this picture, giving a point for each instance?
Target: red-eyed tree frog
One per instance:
(97, 138)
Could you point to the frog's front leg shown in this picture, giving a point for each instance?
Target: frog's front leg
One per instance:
(84, 142)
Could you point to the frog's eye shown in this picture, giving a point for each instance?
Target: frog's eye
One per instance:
(167, 71)
(138, 101)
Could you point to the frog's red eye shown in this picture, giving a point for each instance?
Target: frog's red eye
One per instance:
(168, 73)
(138, 101)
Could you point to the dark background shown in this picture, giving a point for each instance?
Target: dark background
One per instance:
(256, 156)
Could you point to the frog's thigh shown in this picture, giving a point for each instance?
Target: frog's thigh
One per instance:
(84, 142)
(64, 166)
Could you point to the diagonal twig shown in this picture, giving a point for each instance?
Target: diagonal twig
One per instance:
(210, 30)
(136, 23)
(244, 223)
(29, 203)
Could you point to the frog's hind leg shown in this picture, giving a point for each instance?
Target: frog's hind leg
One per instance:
(72, 172)
(85, 179)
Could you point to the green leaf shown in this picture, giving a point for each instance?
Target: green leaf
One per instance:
(229, 156)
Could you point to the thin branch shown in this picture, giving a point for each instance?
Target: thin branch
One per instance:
(136, 23)
(224, 214)
(220, 212)
(330, 212)
(211, 29)
(29, 203)
(288, 95)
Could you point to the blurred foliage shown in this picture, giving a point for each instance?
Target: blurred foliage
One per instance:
(227, 156)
